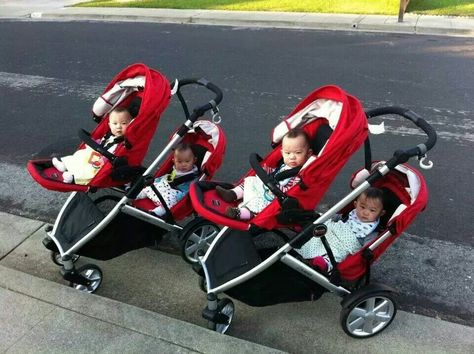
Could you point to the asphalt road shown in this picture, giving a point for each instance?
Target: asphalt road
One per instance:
(50, 73)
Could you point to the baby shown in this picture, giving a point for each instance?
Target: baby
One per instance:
(295, 151)
(84, 164)
(347, 237)
(184, 164)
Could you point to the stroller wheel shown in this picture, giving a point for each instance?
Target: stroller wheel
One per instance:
(225, 314)
(196, 238)
(57, 259)
(92, 274)
(369, 315)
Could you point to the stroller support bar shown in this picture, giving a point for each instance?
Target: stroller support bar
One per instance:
(307, 271)
(139, 214)
(380, 240)
(275, 257)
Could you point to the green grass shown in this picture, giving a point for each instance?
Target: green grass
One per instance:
(374, 7)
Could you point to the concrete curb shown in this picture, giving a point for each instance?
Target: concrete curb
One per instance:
(415, 24)
(168, 332)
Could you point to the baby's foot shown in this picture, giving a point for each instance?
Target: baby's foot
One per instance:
(68, 177)
(233, 213)
(320, 263)
(159, 210)
(238, 213)
(58, 164)
(227, 195)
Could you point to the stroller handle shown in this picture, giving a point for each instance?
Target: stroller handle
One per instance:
(200, 110)
(401, 156)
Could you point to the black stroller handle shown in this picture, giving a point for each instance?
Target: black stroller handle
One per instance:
(200, 110)
(254, 160)
(401, 156)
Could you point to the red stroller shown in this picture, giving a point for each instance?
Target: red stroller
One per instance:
(258, 275)
(337, 127)
(104, 220)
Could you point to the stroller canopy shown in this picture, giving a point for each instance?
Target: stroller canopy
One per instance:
(146, 93)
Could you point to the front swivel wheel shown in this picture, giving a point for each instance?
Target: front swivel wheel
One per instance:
(90, 278)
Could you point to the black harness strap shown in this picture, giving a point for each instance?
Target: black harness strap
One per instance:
(183, 179)
(281, 176)
(168, 217)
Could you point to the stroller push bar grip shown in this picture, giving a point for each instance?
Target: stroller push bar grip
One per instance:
(401, 156)
(212, 104)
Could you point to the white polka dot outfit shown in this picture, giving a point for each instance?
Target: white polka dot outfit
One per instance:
(343, 237)
(170, 195)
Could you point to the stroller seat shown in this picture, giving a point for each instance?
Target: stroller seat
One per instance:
(146, 93)
(337, 127)
(405, 195)
(207, 140)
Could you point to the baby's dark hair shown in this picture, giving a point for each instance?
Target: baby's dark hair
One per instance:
(183, 147)
(374, 193)
(119, 109)
(296, 133)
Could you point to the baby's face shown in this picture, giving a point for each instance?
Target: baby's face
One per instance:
(184, 160)
(368, 210)
(295, 151)
(118, 122)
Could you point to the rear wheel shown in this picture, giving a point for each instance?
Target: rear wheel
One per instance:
(196, 238)
(369, 315)
(93, 276)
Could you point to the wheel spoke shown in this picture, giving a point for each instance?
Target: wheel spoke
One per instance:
(192, 249)
(356, 324)
(368, 327)
(384, 305)
(194, 238)
(210, 236)
(382, 317)
(370, 304)
(358, 312)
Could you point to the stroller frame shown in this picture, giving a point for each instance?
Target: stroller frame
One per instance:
(89, 277)
(219, 313)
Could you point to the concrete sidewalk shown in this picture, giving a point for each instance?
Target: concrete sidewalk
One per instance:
(40, 315)
(414, 24)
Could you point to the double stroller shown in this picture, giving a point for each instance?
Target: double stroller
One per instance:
(237, 263)
(104, 219)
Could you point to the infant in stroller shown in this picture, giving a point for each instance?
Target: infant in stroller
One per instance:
(83, 165)
(256, 196)
(346, 237)
(170, 188)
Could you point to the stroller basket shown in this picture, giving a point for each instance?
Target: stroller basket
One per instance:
(82, 215)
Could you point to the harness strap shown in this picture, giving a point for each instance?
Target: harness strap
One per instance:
(281, 176)
(183, 179)
(168, 216)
